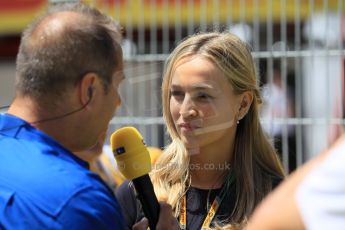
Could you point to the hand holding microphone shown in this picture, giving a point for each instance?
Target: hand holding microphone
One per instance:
(134, 163)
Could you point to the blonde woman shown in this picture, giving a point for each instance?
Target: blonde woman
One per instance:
(220, 164)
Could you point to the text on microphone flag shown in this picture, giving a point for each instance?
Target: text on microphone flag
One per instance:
(120, 150)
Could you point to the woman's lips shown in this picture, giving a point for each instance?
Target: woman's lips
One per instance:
(186, 127)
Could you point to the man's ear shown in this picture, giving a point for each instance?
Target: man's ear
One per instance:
(246, 100)
(87, 87)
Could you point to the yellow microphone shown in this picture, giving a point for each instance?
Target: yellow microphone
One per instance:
(134, 163)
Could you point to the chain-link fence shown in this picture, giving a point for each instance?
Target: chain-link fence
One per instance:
(297, 45)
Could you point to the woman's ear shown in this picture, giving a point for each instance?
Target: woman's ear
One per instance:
(246, 100)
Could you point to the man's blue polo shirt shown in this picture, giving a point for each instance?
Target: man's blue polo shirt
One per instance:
(45, 186)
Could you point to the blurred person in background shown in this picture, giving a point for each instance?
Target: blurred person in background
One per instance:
(280, 104)
(220, 164)
(312, 197)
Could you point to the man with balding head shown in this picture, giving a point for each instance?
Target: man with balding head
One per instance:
(69, 67)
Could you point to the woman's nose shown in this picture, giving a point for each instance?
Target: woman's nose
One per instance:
(188, 108)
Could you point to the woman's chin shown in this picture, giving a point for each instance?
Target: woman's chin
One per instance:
(192, 147)
(193, 151)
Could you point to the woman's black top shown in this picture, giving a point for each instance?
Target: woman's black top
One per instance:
(198, 203)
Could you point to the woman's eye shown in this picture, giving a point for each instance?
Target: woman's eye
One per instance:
(204, 96)
(176, 93)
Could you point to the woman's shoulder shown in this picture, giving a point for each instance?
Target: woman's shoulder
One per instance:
(276, 180)
(129, 204)
(124, 190)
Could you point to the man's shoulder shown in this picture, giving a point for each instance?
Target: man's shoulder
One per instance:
(84, 208)
(41, 177)
(63, 196)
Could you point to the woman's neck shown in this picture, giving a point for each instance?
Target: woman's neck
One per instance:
(209, 169)
(207, 180)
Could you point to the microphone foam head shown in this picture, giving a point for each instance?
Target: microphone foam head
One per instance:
(131, 154)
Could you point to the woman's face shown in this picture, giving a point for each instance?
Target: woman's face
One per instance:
(203, 105)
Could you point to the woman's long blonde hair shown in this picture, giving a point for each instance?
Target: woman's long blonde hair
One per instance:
(254, 159)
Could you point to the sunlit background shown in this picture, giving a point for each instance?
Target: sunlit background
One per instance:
(298, 46)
